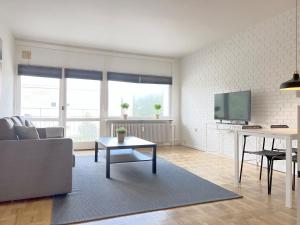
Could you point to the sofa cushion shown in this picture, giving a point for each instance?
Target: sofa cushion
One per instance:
(28, 123)
(22, 120)
(26, 132)
(7, 130)
(16, 121)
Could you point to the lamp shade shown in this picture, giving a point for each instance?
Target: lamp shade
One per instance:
(291, 85)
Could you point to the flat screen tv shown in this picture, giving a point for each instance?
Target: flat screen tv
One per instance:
(233, 106)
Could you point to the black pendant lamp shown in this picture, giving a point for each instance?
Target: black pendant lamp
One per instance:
(294, 83)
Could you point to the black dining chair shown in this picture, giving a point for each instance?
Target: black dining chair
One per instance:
(271, 156)
(276, 154)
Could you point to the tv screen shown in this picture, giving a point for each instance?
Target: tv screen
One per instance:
(233, 106)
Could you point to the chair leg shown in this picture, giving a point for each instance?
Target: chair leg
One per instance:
(261, 166)
(294, 175)
(268, 176)
(262, 159)
(271, 177)
(242, 162)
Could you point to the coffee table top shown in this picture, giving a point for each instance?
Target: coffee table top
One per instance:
(129, 142)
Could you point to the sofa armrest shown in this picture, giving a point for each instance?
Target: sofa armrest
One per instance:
(51, 132)
(35, 168)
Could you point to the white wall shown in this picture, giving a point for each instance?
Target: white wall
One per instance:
(260, 59)
(7, 69)
(55, 55)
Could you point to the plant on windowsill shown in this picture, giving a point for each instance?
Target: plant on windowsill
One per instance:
(124, 107)
(157, 108)
(121, 131)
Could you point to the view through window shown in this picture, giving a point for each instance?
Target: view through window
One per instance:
(141, 98)
(83, 109)
(40, 99)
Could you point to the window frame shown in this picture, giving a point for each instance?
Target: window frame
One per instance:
(139, 117)
(17, 103)
(62, 117)
(104, 104)
(65, 119)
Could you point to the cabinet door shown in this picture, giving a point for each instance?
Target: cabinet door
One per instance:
(227, 143)
(212, 140)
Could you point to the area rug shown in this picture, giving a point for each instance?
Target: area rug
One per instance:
(132, 189)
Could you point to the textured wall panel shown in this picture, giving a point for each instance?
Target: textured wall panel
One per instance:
(260, 59)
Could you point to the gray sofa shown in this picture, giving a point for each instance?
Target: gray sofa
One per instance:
(31, 168)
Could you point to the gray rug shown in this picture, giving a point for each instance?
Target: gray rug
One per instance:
(132, 189)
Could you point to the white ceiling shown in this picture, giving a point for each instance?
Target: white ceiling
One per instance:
(171, 28)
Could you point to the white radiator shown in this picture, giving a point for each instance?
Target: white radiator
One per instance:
(157, 132)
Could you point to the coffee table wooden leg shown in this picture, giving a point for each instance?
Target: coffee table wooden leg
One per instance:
(154, 160)
(96, 151)
(107, 163)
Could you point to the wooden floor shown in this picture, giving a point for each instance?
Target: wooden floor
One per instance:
(255, 208)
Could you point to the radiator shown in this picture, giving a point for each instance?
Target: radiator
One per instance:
(157, 132)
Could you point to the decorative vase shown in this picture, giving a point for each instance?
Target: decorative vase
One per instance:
(121, 137)
(125, 113)
(157, 116)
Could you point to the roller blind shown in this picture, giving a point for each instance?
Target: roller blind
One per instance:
(83, 74)
(39, 71)
(137, 78)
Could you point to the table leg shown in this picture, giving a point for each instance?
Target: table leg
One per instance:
(154, 159)
(236, 158)
(298, 159)
(289, 174)
(298, 198)
(96, 151)
(107, 163)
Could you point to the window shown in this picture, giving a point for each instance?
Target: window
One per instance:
(83, 98)
(42, 91)
(40, 94)
(83, 131)
(140, 96)
(83, 109)
(40, 97)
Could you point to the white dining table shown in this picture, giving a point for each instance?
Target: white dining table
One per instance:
(287, 134)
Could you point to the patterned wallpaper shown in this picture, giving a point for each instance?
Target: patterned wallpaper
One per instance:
(259, 58)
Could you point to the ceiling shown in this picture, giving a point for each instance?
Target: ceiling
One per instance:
(171, 28)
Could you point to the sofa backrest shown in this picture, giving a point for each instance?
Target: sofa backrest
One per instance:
(7, 126)
(7, 129)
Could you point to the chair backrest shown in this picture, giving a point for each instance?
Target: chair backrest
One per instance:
(244, 127)
(279, 126)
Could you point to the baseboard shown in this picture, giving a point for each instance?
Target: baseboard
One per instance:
(193, 147)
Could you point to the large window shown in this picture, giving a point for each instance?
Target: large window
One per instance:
(141, 98)
(50, 99)
(69, 97)
(40, 100)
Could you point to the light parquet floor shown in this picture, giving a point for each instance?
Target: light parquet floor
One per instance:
(255, 208)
